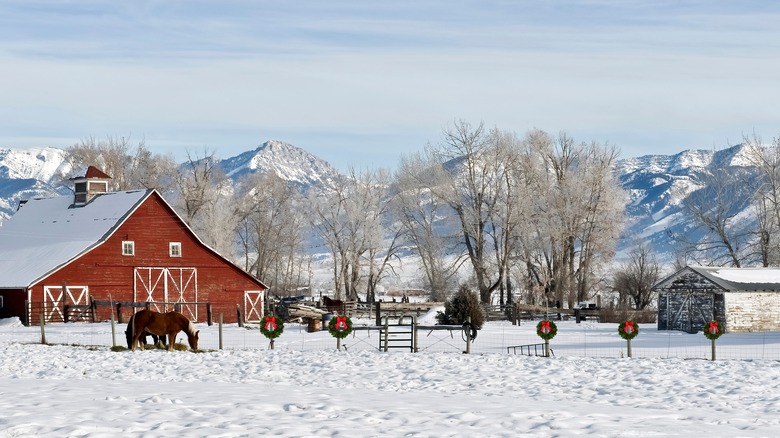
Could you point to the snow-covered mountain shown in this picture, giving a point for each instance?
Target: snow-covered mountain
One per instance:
(657, 184)
(29, 173)
(290, 163)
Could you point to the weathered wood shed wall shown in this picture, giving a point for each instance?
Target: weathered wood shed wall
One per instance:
(743, 299)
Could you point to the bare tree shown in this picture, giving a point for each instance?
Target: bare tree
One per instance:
(271, 230)
(635, 278)
(474, 189)
(349, 219)
(426, 222)
(203, 196)
(576, 216)
(766, 159)
(715, 208)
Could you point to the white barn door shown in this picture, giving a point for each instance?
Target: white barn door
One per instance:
(55, 298)
(166, 287)
(253, 305)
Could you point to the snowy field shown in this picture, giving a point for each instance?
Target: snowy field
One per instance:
(77, 387)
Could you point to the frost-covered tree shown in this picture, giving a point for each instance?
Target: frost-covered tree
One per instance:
(270, 231)
(427, 222)
(576, 216)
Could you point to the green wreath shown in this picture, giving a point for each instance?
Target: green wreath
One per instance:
(271, 327)
(546, 329)
(628, 330)
(712, 330)
(340, 326)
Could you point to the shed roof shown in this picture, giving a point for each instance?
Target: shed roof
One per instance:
(45, 234)
(731, 279)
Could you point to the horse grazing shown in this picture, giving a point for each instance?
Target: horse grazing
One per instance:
(334, 305)
(169, 324)
(142, 338)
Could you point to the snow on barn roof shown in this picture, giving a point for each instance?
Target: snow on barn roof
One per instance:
(742, 279)
(45, 234)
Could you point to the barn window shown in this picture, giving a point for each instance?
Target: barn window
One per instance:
(174, 249)
(128, 247)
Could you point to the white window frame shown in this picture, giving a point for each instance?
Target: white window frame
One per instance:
(128, 245)
(174, 249)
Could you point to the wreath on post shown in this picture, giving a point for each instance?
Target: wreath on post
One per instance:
(546, 329)
(628, 330)
(271, 327)
(340, 326)
(712, 330)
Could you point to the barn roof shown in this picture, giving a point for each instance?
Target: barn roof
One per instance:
(730, 279)
(45, 234)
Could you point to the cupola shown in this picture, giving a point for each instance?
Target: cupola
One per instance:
(93, 183)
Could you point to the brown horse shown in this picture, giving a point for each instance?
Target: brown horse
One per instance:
(334, 305)
(142, 339)
(159, 324)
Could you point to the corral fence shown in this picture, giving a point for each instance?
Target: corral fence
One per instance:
(400, 336)
(102, 310)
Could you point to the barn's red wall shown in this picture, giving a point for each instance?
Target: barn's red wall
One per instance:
(152, 226)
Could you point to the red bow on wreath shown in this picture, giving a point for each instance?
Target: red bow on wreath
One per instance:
(629, 327)
(546, 327)
(270, 321)
(713, 327)
(341, 323)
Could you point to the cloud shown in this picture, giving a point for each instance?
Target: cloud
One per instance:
(353, 73)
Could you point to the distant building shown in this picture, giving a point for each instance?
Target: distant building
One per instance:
(128, 246)
(743, 299)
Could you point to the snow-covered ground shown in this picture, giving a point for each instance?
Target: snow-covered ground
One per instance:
(77, 386)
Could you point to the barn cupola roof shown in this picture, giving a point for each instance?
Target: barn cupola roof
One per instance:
(93, 183)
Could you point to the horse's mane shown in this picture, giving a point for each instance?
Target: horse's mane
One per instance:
(190, 328)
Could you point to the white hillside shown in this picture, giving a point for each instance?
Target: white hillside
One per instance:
(288, 162)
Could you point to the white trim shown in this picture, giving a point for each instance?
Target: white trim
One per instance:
(177, 285)
(57, 303)
(253, 305)
(128, 244)
(119, 223)
(174, 249)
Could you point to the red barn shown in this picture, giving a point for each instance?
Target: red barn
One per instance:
(118, 247)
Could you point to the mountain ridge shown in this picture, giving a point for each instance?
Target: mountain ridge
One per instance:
(656, 184)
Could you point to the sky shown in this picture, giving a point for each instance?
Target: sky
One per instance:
(77, 387)
(361, 83)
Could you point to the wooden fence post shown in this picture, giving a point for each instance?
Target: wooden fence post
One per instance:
(113, 329)
(468, 335)
(43, 331)
(220, 331)
(414, 336)
(209, 314)
(713, 349)
(387, 330)
(239, 316)
(378, 313)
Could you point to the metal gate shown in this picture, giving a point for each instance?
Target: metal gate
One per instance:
(166, 288)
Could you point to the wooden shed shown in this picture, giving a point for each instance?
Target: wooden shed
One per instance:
(117, 247)
(744, 299)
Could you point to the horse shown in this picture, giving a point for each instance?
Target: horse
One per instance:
(332, 305)
(142, 339)
(169, 324)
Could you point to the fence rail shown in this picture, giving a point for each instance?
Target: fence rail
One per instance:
(587, 339)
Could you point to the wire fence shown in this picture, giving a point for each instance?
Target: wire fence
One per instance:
(586, 339)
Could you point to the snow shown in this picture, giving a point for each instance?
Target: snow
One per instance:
(749, 275)
(77, 386)
(51, 233)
